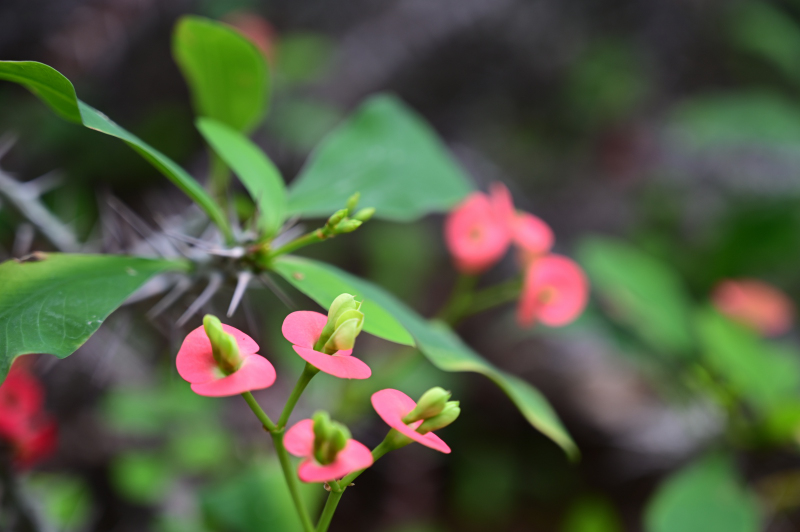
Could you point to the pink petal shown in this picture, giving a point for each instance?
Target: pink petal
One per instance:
(303, 327)
(354, 457)
(755, 304)
(532, 234)
(555, 291)
(299, 439)
(475, 235)
(340, 365)
(392, 405)
(195, 361)
(255, 373)
(502, 203)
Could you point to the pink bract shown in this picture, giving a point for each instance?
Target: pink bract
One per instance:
(299, 441)
(303, 329)
(392, 406)
(196, 365)
(756, 304)
(554, 292)
(532, 235)
(476, 234)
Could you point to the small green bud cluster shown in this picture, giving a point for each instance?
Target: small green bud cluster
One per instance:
(345, 321)
(223, 345)
(435, 409)
(344, 221)
(330, 437)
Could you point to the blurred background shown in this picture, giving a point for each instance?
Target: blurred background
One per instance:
(658, 138)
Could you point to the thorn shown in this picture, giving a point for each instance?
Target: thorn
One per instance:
(180, 288)
(138, 225)
(243, 280)
(279, 293)
(291, 232)
(7, 142)
(44, 183)
(23, 238)
(214, 283)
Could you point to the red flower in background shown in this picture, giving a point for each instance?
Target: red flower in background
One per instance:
(25, 427)
(755, 304)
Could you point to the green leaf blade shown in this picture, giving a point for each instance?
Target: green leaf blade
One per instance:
(55, 304)
(258, 174)
(391, 156)
(227, 74)
(441, 346)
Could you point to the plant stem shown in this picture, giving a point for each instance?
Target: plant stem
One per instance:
(257, 410)
(493, 296)
(309, 238)
(219, 177)
(308, 373)
(337, 489)
(459, 300)
(283, 457)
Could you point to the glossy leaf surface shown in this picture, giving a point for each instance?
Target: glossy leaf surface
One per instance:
(55, 304)
(227, 75)
(391, 156)
(323, 282)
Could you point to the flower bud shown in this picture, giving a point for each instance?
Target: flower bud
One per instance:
(340, 305)
(352, 202)
(449, 413)
(330, 438)
(337, 217)
(224, 348)
(347, 226)
(337, 442)
(344, 337)
(364, 214)
(429, 405)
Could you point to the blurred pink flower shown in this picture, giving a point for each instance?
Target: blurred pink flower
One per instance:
(299, 441)
(476, 234)
(28, 430)
(554, 292)
(303, 328)
(528, 232)
(196, 365)
(392, 406)
(756, 304)
(256, 28)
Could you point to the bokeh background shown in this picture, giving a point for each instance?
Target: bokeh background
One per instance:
(658, 138)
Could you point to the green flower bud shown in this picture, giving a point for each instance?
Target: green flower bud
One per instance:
(347, 226)
(344, 337)
(337, 442)
(449, 413)
(340, 305)
(223, 346)
(429, 405)
(337, 217)
(364, 214)
(330, 438)
(352, 202)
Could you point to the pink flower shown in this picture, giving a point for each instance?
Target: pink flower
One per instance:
(303, 329)
(554, 291)
(528, 232)
(196, 364)
(392, 406)
(755, 304)
(299, 441)
(476, 234)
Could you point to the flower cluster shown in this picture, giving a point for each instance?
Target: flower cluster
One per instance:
(25, 428)
(219, 360)
(481, 229)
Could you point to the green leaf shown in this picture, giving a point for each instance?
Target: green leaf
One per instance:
(640, 292)
(57, 91)
(323, 282)
(706, 496)
(259, 175)
(391, 156)
(766, 374)
(227, 74)
(55, 304)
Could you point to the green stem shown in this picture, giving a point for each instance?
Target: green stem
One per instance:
(283, 457)
(219, 178)
(260, 414)
(389, 443)
(327, 512)
(308, 373)
(291, 481)
(493, 296)
(309, 238)
(459, 300)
